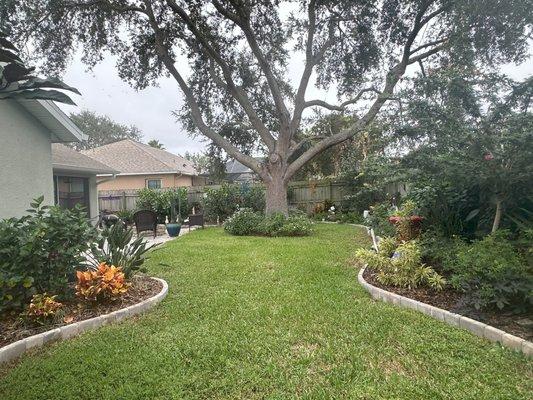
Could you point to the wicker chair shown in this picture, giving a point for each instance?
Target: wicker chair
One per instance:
(145, 220)
(196, 220)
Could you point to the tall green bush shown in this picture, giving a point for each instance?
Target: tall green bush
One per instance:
(160, 201)
(220, 203)
(40, 252)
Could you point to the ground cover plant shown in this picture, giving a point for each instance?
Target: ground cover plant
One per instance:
(261, 317)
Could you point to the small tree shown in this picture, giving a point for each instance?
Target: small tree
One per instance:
(238, 92)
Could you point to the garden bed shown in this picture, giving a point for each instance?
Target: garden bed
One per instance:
(13, 327)
(453, 301)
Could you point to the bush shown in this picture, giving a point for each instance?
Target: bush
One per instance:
(106, 282)
(115, 247)
(160, 201)
(39, 252)
(248, 222)
(492, 273)
(243, 222)
(379, 219)
(222, 202)
(403, 269)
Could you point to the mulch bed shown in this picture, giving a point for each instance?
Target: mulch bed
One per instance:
(13, 327)
(453, 301)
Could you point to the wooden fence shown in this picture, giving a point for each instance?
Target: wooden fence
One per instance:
(303, 195)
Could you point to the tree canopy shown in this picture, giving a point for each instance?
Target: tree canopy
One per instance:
(101, 130)
(156, 144)
(236, 78)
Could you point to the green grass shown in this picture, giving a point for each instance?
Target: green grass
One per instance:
(277, 318)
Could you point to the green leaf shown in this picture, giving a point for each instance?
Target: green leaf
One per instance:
(7, 44)
(35, 83)
(38, 94)
(472, 214)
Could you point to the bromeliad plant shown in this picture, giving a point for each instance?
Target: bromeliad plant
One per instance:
(117, 247)
(106, 282)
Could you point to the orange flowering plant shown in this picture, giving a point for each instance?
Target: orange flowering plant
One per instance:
(106, 282)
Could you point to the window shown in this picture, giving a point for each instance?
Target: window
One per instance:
(153, 183)
(69, 191)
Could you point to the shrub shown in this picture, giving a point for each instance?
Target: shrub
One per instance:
(387, 246)
(379, 219)
(42, 307)
(104, 283)
(403, 269)
(295, 225)
(116, 247)
(493, 274)
(39, 252)
(248, 222)
(244, 222)
(126, 216)
(222, 202)
(160, 201)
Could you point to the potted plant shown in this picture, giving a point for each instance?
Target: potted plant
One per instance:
(174, 226)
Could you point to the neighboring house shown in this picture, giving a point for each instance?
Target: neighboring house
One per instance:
(75, 178)
(141, 166)
(27, 129)
(237, 172)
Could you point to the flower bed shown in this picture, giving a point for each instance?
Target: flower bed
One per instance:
(13, 328)
(451, 300)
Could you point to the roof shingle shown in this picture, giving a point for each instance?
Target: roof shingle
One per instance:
(65, 158)
(130, 157)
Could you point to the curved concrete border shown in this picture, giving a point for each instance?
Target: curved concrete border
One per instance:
(16, 349)
(477, 328)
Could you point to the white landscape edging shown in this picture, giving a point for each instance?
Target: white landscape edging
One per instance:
(477, 328)
(16, 349)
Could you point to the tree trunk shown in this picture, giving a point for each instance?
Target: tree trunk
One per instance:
(497, 216)
(276, 197)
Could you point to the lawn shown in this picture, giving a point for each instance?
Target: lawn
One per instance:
(277, 318)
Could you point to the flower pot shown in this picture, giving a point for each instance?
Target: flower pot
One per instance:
(173, 230)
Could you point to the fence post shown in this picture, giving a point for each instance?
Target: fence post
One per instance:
(124, 204)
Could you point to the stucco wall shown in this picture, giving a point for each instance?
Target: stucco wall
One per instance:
(139, 181)
(25, 160)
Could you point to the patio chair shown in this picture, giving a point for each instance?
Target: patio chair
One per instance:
(196, 220)
(145, 220)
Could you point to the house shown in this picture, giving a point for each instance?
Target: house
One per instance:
(30, 168)
(141, 166)
(237, 172)
(75, 178)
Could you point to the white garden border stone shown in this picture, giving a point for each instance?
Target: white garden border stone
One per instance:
(16, 349)
(477, 328)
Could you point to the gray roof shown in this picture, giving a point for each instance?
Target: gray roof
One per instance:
(133, 158)
(235, 167)
(66, 159)
(61, 128)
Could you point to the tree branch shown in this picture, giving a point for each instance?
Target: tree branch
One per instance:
(393, 76)
(343, 105)
(235, 91)
(275, 90)
(196, 113)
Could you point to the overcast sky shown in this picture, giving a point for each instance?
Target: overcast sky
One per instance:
(150, 110)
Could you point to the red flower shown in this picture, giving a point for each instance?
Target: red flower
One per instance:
(488, 156)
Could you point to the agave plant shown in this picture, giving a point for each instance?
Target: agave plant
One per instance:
(16, 81)
(116, 247)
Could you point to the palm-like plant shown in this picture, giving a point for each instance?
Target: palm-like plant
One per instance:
(16, 80)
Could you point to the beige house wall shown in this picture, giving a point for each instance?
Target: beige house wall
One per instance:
(125, 182)
(25, 160)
